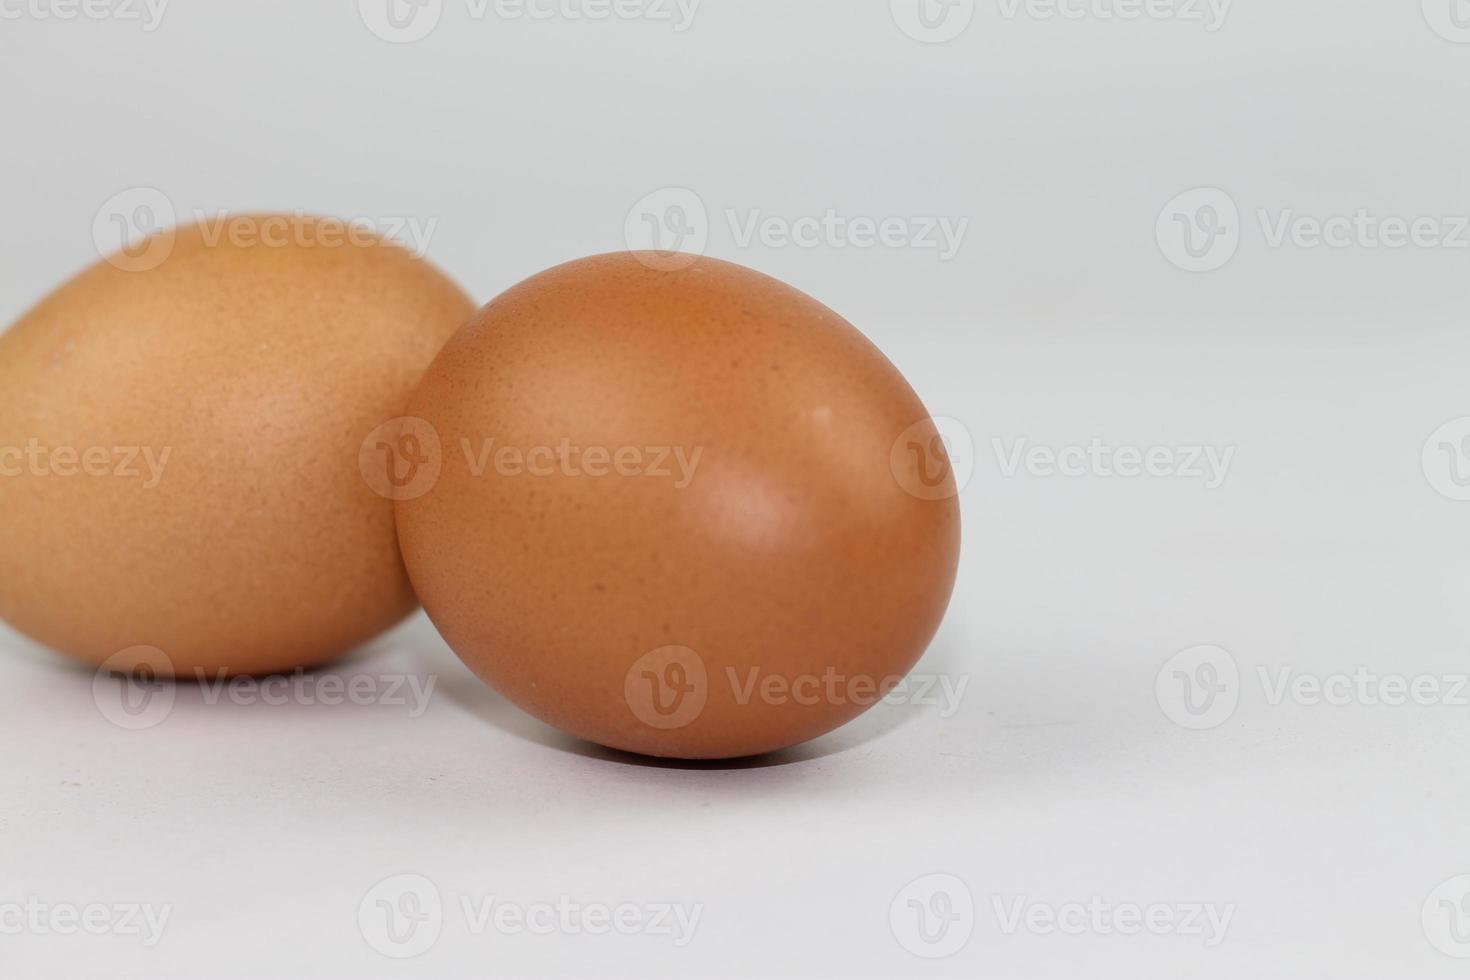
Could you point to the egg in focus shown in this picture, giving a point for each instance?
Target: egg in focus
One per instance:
(673, 508)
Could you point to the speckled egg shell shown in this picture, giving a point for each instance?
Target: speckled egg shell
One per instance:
(675, 511)
(223, 395)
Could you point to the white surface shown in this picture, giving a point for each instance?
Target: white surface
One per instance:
(1324, 829)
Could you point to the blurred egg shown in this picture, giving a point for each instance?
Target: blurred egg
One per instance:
(678, 509)
(182, 444)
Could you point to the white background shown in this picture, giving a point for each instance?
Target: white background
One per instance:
(1063, 775)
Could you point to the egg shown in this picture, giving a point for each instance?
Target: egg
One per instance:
(677, 508)
(186, 436)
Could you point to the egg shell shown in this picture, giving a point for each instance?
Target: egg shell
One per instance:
(676, 513)
(188, 493)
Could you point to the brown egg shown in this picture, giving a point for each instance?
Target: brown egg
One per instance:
(180, 432)
(677, 512)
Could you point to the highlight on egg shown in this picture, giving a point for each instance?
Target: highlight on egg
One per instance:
(182, 432)
(676, 508)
